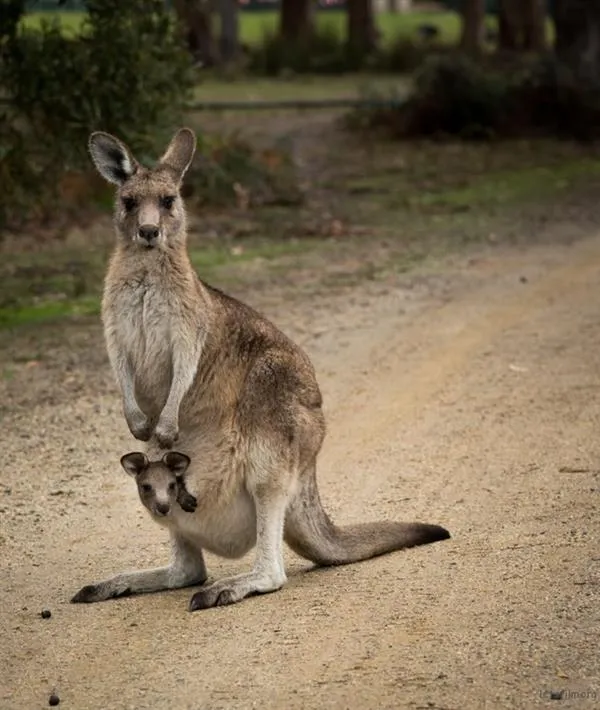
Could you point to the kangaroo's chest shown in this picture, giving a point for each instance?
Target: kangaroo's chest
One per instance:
(143, 330)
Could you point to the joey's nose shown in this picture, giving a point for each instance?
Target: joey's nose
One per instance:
(162, 508)
(148, 232)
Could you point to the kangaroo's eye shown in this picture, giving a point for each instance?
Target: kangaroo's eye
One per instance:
(172, 486)
(147, 488)
(167, 201)
(129, 203)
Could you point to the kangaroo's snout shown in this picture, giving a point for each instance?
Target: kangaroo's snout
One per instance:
(162, 508)
(149, 233)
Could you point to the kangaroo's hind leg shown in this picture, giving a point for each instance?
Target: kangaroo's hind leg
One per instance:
(186, 569)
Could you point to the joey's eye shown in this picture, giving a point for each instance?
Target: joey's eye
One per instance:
(147, 488)
(129, 203)
(167, 201)
(172, 486)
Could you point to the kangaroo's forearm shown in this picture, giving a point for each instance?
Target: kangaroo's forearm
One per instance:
(185, 366)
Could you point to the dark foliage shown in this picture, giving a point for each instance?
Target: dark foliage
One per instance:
(126, 72)
(455, 96)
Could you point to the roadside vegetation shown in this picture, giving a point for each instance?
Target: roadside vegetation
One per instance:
(457, 144)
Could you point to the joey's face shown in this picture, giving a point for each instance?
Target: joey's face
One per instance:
(157, 481)
(157, 488)
(149, 211)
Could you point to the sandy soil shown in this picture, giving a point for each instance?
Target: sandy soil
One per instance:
(466, 394)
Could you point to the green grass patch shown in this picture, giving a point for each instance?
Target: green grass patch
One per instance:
(511, 187)
(253, 25)
(69, 21)
(301, 87)
(37, 288)
(47, 311)
(427, 181)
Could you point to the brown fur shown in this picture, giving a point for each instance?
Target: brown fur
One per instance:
(202, 369)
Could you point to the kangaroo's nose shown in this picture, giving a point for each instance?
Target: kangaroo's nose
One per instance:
(162, 508)
(148, 232)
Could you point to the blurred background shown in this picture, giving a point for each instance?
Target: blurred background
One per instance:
(388, 127)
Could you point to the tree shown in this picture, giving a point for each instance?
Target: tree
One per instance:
(229, 36)
(577, 44)
(296, 20)
(195, 19)
(522, 25)
(362, 33)
(473, 14)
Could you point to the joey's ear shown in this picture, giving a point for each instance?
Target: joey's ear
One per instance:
(180, 152)
(112, 159)
(134, 463)
(176, 462)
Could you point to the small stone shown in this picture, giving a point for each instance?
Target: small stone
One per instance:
(46, 614)
(53, 699)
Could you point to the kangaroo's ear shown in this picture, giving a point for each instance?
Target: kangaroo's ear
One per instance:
(180, 152)
(176, 462)
(134, 463)
(112, 159)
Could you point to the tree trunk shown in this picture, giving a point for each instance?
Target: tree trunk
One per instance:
(578, 36)
(229, 36)
(11, 12)
(534, 25)
(362, 35)
(296, 20)
(522, 25)
(196, 21)
(509, 25)
(473, 14)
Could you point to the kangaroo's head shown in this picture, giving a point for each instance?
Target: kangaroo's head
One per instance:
(149, 210)
(160, 483)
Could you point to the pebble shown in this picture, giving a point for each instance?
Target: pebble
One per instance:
(53, 699)
(46, 614)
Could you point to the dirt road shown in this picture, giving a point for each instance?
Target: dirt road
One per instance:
(466, 394)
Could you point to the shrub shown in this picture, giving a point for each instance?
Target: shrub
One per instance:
(546, 97)
(126, 72)
(228, 169)
(454, 96)
(323, 52)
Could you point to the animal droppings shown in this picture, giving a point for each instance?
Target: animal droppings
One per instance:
(53, 699)
(46, 614)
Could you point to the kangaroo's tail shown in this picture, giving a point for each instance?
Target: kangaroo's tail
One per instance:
(311, 534)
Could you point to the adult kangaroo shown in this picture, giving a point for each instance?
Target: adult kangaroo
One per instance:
(241, 400)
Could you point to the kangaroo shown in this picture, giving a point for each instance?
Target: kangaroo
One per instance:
(200, 368)
(161, 484)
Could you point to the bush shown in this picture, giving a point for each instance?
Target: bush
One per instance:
(455, 96)
(323, 52)
(547, 97)
(126, 72)
(227, 169)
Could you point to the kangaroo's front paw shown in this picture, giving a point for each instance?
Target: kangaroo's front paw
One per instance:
(139, 424)
(187, 502)
(166, 433)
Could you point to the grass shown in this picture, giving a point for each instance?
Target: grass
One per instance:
(44, 286)
(512, 187)
(302, 87)
(33, 314)
(253, 25)
(407, 195)
(469, 187)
